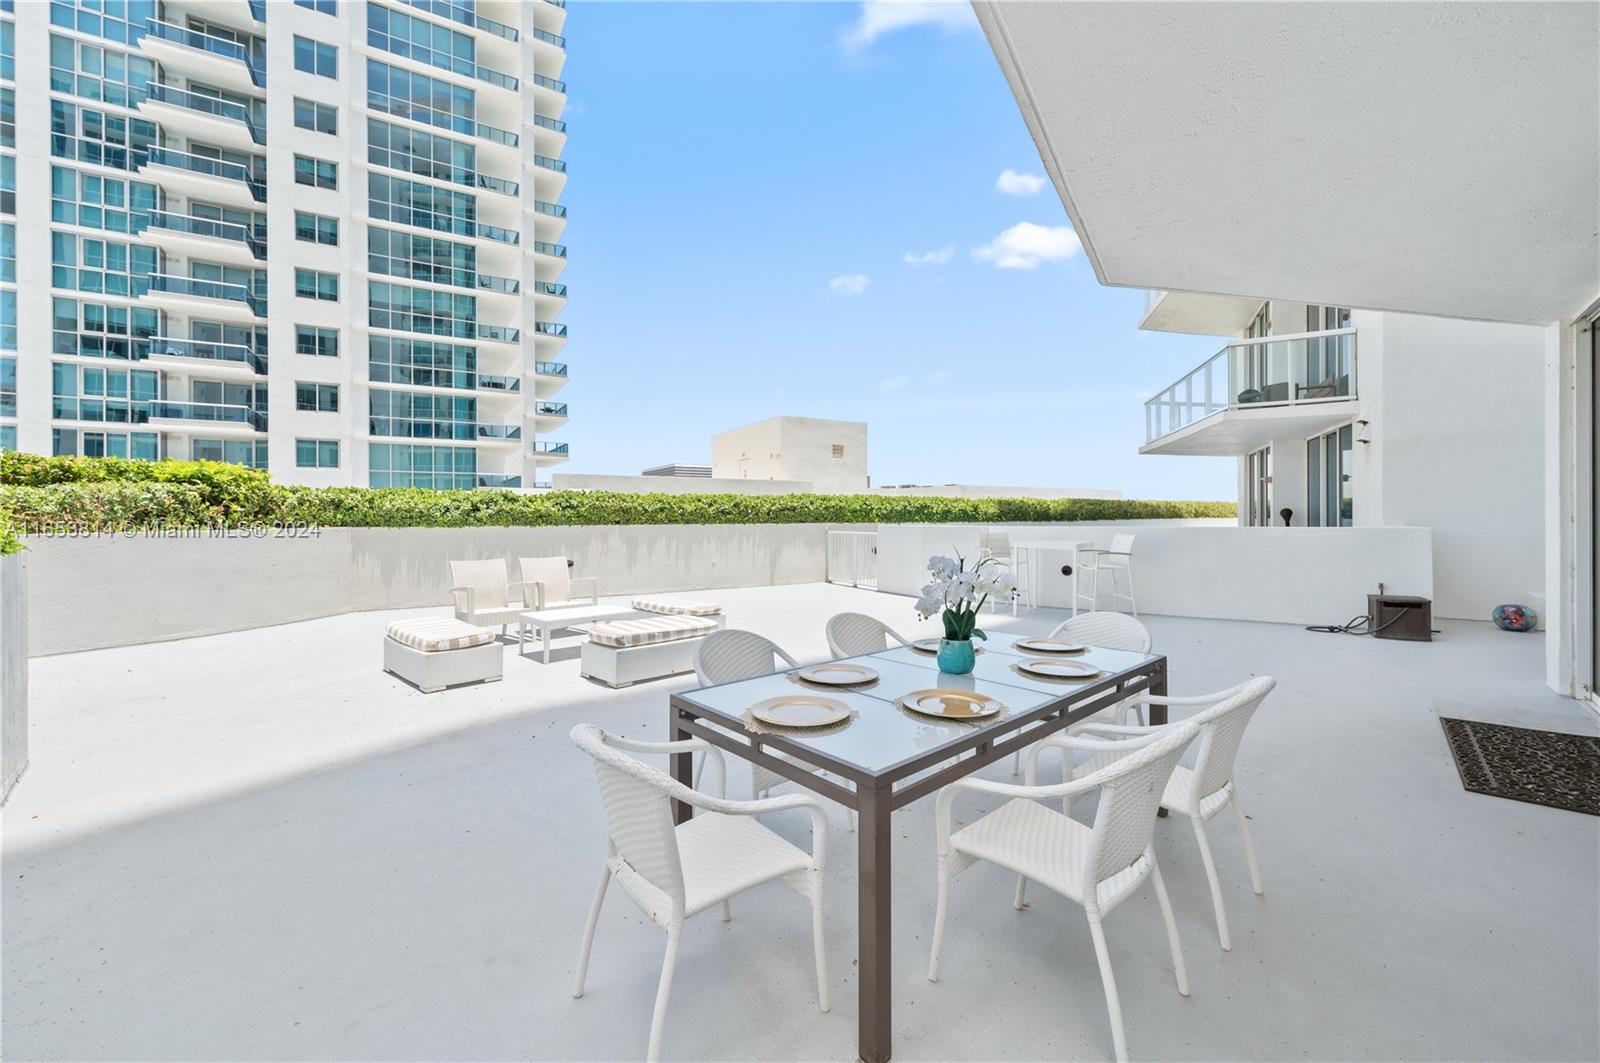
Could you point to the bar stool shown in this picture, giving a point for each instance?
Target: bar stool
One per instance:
(1118, 558)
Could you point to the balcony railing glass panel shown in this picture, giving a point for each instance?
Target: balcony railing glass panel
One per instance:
(550, 368)
(558, 250)
(542, 447)
(549, 83)
(204, 164)
(217, 230)
(208, 411)
(204, 104)
(214, 352)
(551, 409)
(489, 382)
(499, 431)
(554, 124)
(207, 289)
(1288, 370)
(558, 165)
(550, 328)
(503, 285)
(555, 210)
(486, 479)
(502, 333)
(549, 38)
(547, 288)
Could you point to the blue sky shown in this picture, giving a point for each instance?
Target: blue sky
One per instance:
(749, 183)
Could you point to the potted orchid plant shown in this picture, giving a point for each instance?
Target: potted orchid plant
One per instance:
(958, 593)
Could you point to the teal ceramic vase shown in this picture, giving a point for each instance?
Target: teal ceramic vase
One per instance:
(956, 656)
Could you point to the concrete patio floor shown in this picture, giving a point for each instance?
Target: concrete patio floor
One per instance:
(259, 846)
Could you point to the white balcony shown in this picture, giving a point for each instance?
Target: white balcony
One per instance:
(549, 299)
(197, 116)
(544, 453)
(1197, 314)
(200, 56)
(549, 260)
(201, 177)
(1254, 391)
(549, 337)
(205, 239)
(548, 416)
(207, 419)
(549, 221)
(549, 135)
(226, 361)
(548, 378)
(208, 299)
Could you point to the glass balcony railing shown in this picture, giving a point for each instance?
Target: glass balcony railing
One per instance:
(551, 409)
(549, 38)
(487, 479)
(558, 250)
(205, 42)
(216, 230)
(203, 104)
(213, 412)
(488, 382)
(499, 431)
(555, 210)
(498, 333)
(550, 328)
(494, 232)
(211, 352)
(493, 184)
(558, 165)
(542, 447)
(258, 10)
(547, 288)
(209, 167)
(549, 83)
(1296, 369)
(464, 14)
(497, 136)
(553, 124)
(207, 289)
(503, 285)
(550, 368)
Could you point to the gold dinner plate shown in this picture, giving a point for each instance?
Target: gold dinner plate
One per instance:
(798, 710)
(1043, 645)
(837, 674)
(931, 647)
(951, 704)
(1058, 669)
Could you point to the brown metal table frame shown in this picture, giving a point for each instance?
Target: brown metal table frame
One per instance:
(874, 798)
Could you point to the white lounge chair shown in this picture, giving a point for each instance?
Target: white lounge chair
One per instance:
(482, 596)
(855, 634)
(675, 872)
(1098, 867)
(551, 585)
(1204, 791)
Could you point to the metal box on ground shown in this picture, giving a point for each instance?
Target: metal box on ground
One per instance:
(1400, 616)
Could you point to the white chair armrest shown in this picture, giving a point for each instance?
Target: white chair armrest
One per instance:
(683, 745)
(471, 605)
(819, 818)
(512, 588)
(593, 582)
(533, 593)
(1118, 728)
(1134, 739)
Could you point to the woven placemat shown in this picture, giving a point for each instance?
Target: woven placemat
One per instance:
(1550, 768)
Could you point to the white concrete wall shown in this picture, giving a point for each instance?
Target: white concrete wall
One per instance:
(113, 591)
(675, 485)
(992, 491)
(1277, 575)
(794, 448)
(13, 670)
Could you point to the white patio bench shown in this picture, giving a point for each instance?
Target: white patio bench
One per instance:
(435, 652)
(621, 652)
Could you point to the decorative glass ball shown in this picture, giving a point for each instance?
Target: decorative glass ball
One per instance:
(1515, 618)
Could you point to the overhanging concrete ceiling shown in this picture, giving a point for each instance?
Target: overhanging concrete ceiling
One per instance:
(1437, 158)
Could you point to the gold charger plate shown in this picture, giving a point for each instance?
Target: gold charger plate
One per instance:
(950, 704)
(1044, 645)
(800, 710)
(931, 647)
(837, 674)
(1046, 668)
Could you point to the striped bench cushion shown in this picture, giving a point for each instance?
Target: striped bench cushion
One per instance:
(653, 629)
(656, 605)
(435, 634)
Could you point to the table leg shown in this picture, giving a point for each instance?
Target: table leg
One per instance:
(544, 633)
(1158, 713)
(682, 766)
(874, 882)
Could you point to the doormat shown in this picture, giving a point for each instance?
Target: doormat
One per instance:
(1540, 767)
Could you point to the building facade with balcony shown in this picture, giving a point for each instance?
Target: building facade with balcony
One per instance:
(1364, 418)
(322, 237)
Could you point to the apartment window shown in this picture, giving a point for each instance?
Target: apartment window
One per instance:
(322, 342)
(8, 252)
(95, 393)
(103, 74)
(121, 22)
(95, 330)
(314, 284)
(316, 398)
(316, 228)
(141, 446)
(314, 57)
(316, 453)
(93, 265)
(838, 450)
(233, 451)
(8, 437)
(318, 173)
(420, 415)
(8, 118)
(94, 202)
(418, 465)
(423, 258)
(405, 309)
(321, 7)
(423, 363)
(420, 98)
(1330, 491)
(317, 117)
(424, 206)
(96, 137)
(429, 155)
(1258, 478)
(415, 38)
(8, 387)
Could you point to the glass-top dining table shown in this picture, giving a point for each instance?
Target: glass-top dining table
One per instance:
(887, 756)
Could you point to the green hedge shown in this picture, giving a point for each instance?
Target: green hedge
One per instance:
(87, 495)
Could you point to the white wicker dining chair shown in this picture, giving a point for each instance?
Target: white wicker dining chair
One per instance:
(731, 655)
(675, 872)
(855, 634)
(1098, 867)
(1115, 559)
(1113, 631)
(1203, 791)
(482, 596)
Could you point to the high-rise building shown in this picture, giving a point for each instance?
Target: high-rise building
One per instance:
(321, 237)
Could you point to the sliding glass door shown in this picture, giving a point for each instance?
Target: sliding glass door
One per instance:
(1330, 492)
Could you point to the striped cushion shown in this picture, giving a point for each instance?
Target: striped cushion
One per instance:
(433, 634)
(656, 605)
(651, 630)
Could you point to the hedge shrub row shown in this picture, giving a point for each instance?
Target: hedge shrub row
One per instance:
(94, 499)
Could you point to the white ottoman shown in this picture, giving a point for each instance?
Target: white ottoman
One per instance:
(666, 607)
(435, 652)
(620, 652)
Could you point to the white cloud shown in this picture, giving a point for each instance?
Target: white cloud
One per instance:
(930, 258)
(894, 383)
(1025, 245)
(849, 284)
(1013, 183)
(879, 17)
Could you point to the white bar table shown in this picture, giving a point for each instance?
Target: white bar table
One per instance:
(1029, 550)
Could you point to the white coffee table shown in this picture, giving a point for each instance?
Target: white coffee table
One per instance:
(568, 616)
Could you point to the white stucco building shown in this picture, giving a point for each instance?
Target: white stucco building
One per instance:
(322, 238)
(829, 455)
(1365, 418)
(1435, 159)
